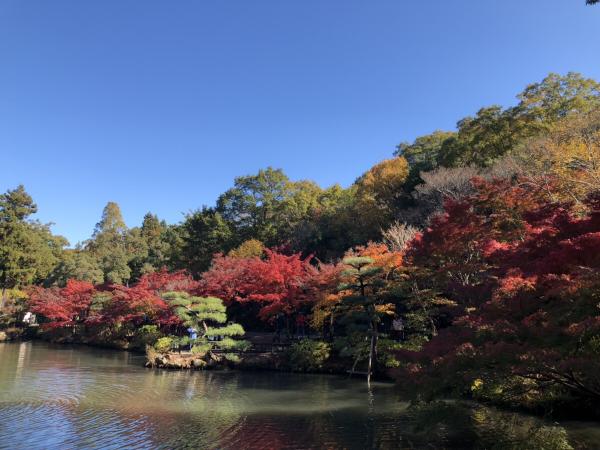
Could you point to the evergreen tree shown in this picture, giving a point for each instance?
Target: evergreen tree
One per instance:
(193, 244)
(361, 303)
(29, 251)
(207, 315)
(108, 245)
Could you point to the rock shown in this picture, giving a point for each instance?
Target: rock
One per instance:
(3, 336)
(198, 363)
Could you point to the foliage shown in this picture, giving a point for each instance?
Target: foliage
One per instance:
(29, 251)
(165, 344)
(278, 282)
(308, 355)
(206, 315)
(531, 329)
(108, 245)
(248, 249)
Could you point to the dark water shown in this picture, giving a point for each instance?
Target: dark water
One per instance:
(76, 397)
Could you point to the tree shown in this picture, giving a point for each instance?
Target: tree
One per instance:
(398, 236)
(360, 283)
(253, 205)
(66, 307)
(148, 246)
(207, 315)
(77, 265)
(248, 249)
(279, 283)
(423, 154)
(108, 245)
(29, 251)
(202, 234)
(383, 183)
(565, 162)
(533, 330)
(496, 131)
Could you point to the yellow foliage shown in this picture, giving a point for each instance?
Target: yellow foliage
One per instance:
(248, 249)
(566, 162)
(385, 180)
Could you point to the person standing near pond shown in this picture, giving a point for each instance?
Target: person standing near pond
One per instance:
(193, 333)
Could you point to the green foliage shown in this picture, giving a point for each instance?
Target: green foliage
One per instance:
(147, 335)
(307, 355)
(76, 265)
(194, 242)
(206, 315)
(108, 245)
(28, 250)
(165, 344)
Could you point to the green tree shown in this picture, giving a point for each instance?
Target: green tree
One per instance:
(109, 245)
(495, 131)
(29, 250)
(76, 265)
(194, 242)
(208, 316)
(267, 206)
(361, 303)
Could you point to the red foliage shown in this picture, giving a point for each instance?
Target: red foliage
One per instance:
(63, 307)
(131, 304)
(279, 282)
(541, 263)
(164, 281)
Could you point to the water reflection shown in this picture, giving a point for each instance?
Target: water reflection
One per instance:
(61, 397)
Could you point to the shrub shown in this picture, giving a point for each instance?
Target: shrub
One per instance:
(307, 355)
(147, 335)
(164, 344)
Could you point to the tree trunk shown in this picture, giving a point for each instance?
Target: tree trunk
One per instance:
(2, 299)
(372, 352)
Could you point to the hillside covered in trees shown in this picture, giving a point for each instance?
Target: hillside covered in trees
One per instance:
(484, 240)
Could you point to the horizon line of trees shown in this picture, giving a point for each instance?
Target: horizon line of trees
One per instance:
(485, 241)
(398, 194)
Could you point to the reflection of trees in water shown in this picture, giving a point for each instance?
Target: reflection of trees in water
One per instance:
(459, 425)
(76, 398)
(192, 410)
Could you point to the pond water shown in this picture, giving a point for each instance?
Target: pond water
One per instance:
(77, 397)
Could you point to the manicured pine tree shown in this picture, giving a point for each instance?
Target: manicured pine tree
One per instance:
(207, 315)
(362, 280)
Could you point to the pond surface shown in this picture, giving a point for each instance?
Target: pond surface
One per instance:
(77, 397)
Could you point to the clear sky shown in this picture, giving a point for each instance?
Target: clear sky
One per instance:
(158, 105)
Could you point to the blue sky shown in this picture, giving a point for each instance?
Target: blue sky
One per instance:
(158, 105)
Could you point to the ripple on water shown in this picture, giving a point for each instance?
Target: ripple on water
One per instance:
(60, 397)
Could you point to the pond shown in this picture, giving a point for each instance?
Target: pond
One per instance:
(78, 397)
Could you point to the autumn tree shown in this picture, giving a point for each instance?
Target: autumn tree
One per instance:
(67, 307)
(248, 249)
(278, 282)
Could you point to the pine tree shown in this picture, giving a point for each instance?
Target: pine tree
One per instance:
(207, 315)
(361, 283)
(108, 245)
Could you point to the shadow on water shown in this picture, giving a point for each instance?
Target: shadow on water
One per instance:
(77, 397)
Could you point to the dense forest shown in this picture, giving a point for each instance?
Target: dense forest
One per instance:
(484, 240)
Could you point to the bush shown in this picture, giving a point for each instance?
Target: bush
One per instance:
(164, 344)
(146, 335)
(307, 355)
